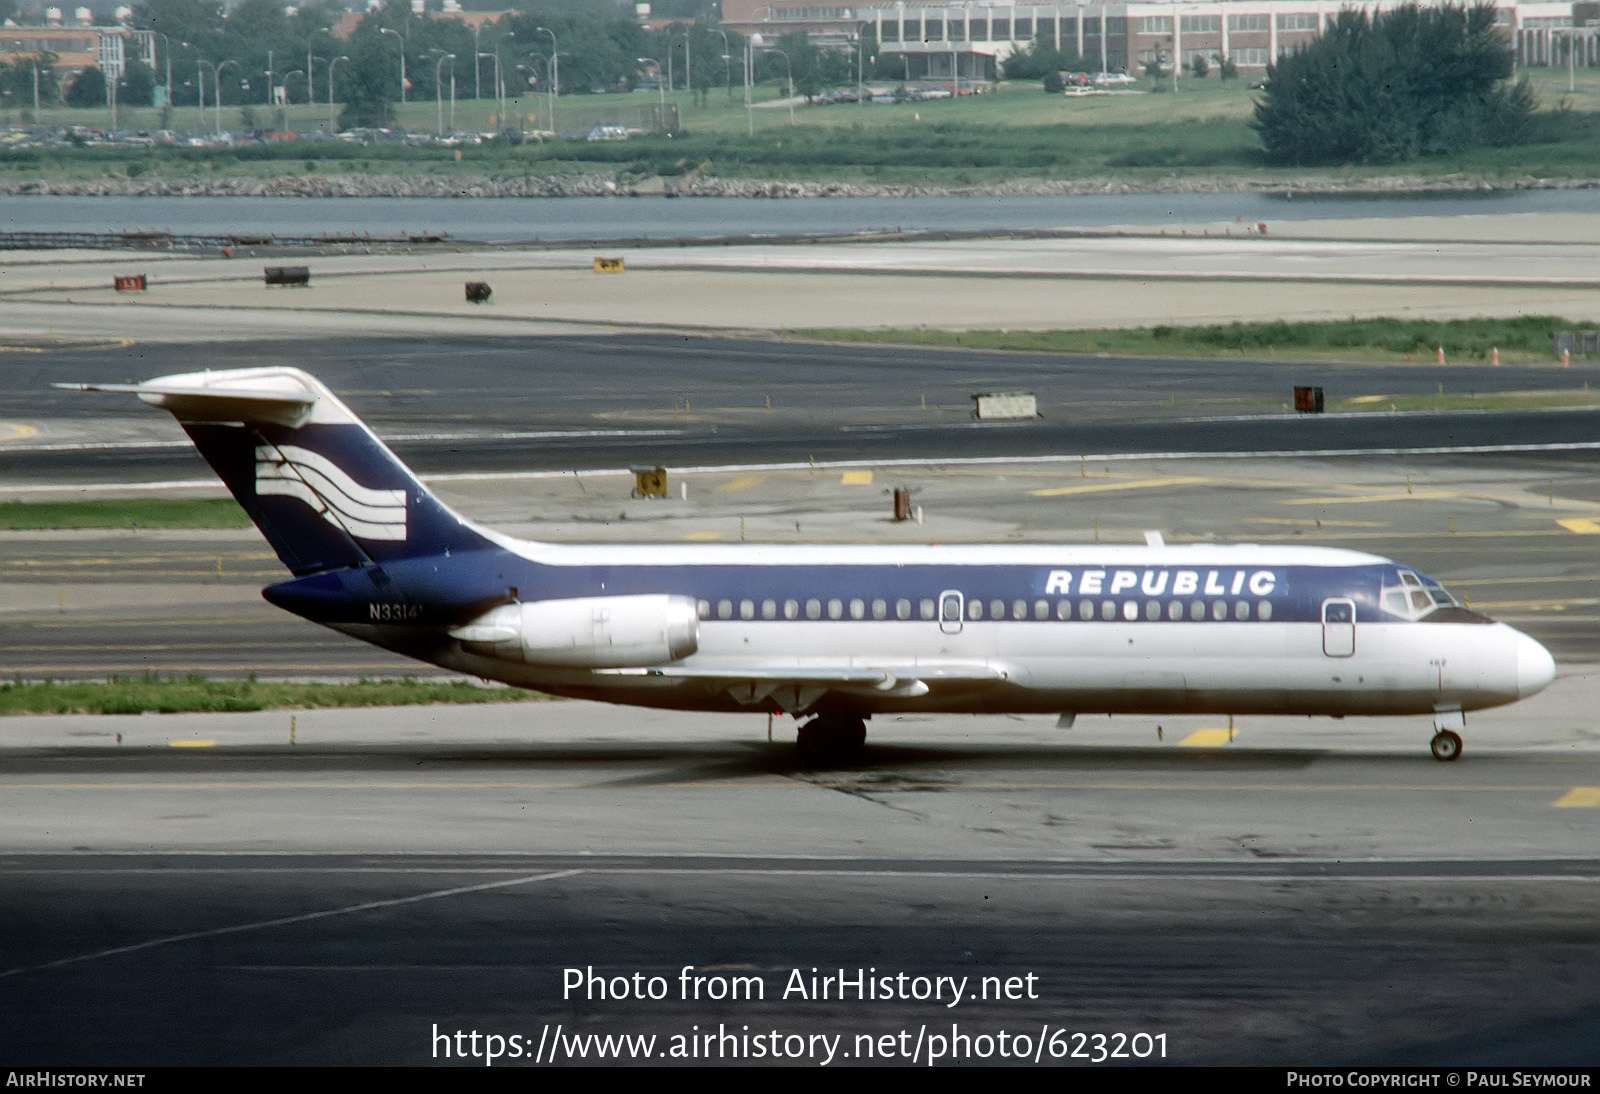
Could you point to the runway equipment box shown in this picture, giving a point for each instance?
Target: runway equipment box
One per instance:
(287, 275)
(1005, 406)
(478, 292)
(1308, 400)
(129, 283)
(902, 503)
(649, 482)
(1577, 343)
(608, 265)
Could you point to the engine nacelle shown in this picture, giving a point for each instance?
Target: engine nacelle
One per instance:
(594, 632)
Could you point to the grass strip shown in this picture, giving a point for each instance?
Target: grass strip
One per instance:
(198, 695)
(1381, 339)
(123, 513)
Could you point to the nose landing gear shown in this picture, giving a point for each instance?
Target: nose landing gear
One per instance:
(1445, 745)
(832, 738)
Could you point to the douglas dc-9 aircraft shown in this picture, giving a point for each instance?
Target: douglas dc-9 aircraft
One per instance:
(835, 634)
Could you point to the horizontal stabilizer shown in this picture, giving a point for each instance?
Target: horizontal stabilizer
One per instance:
(277, 396)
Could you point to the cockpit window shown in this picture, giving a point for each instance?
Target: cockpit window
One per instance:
(1412, 597)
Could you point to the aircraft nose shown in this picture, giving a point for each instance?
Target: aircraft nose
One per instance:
(1535, 667)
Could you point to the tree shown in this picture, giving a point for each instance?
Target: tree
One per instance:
(88, 88)
(369, 83)
(138, 85)
(1227, 70)
(1409, 82)
(1199, 66)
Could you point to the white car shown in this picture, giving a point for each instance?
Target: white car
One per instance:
(1113, 79)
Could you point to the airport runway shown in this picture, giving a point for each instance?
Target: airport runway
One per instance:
(1307, 895)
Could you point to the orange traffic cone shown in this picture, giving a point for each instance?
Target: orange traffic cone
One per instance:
(1566, 358)
(1494, 357)
(1441, 355)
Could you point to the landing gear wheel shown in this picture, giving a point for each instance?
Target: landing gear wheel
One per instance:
(832, 738)
(1445, 745)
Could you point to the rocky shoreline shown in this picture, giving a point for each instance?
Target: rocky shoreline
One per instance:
(614, 185)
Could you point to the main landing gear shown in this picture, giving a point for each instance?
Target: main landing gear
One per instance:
(832, 737)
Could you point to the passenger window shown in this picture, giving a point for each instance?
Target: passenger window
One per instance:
(1219, 611)
(1264, 610)
(1019, 609)
(747, 609)
(1130, 610)
(1063, 609)
(902, 609)
(926, 609)
(1175, 610)
(791, 609)
(858, 609)
(1241, 610)
(1197, 610)
(724, 609)
(813, 609)
(1041, 609)
(1108, 609)
(880, 609)
(1085, 609)
(974, 609)
(1152, 609)
(703, 609)
(835, 609)
(997, 609)
(769, 609)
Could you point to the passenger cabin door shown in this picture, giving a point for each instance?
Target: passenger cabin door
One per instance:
(951, 605)
(1339, 627)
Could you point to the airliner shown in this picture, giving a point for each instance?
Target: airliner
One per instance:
(833, 635)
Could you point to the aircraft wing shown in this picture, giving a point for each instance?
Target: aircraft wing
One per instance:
(797, 687)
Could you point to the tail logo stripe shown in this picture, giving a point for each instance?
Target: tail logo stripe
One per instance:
(362, 511)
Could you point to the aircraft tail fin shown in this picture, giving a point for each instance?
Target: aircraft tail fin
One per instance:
(323, 489)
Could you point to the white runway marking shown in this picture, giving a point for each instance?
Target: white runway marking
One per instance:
(282, 921)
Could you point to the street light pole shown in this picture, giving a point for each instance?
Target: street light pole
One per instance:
(661, 121)
(403, 44)
(332, 65)
(727, 63)
(555, 73)
(789, 70)
(200, 81)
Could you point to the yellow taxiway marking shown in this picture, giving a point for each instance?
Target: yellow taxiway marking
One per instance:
(856, 478)
(740, 484)
(1207, 738)
(1579, 797)
(1134, 484)
(1364, 499)
(1362, 400)
(192, 744)
(16, 431)
(1581, 526)
(702, 537)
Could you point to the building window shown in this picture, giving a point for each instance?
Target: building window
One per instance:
(1200, 24)
(1302, 21)
(1154, 24)
(1244, 23)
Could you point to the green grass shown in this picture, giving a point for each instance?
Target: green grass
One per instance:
(197, 695)
(1526, 338)
(123, 513)
(1014, 132)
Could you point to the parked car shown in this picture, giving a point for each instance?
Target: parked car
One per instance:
(1113, 79)
(608, 133)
